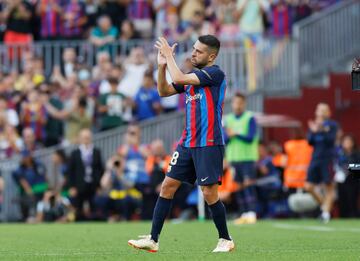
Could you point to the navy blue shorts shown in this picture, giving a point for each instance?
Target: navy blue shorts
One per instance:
(320, 171)
(244, 171)
(201, 164)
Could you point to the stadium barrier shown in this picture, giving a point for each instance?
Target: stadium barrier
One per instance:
(167, 127)
(328, 37)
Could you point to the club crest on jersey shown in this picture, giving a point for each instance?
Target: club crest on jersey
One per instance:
(190, 98)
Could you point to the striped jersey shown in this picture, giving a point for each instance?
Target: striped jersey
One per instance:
(204, 106)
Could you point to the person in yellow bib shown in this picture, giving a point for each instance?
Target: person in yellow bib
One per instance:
(242, 153)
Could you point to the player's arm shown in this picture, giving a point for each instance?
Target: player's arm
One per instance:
(164, 88)
(178, 77)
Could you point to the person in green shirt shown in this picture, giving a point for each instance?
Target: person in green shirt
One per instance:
(111, 106)
(242, 153)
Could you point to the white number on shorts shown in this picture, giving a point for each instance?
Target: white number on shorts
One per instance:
(174, 158)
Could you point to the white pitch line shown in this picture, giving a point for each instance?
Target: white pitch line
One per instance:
(315, 228)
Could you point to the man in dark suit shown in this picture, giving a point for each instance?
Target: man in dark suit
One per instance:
(84, 173)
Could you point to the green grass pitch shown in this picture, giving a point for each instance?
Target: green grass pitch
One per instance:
(267, 240)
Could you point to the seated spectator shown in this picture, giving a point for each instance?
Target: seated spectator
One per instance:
(268, 182)
(111, 107)
(50, 13)
(347, 186)
(84, 174)
(104, 34)
(33, 115)
(53, 208)
(74, 20)
(135, 155)
(128, 32)
(124, 198)
(147, 100)
(31, 178)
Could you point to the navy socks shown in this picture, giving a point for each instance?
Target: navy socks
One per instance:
(161, 210)
(219, 216)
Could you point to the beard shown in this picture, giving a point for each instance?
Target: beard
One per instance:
(198, 64)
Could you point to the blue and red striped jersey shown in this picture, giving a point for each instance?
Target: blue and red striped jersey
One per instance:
(204, 106)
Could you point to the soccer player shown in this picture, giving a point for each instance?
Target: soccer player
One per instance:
(322, 136)
(199, 155)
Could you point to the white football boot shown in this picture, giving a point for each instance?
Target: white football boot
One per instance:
(145, 243)
(224, 245)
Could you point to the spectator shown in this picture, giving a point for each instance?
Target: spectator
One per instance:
(124, 198)
(140, 13)
(53, 207)
(281, 14)
(50, 13)
(147, 100)
(57, 174)
(19, 15)
(174, 31)
(229, 29)
(116, 10)
(103, 62)
(135, 67)
(135, 155)
(302, 10)
(199, 26)
(54, 127)
(10, 142)
(228, 188)
(347, 186)
(29, 140)
(33, 115)
(104, 34)
(69, 63)
(29, 79)
(322, 135)
(242, 153)
(75, 116)
(30, 176)
(163, 10)
(268, 182)
(85, 171)
(74, 20)
(187, 10)
(111, 107)
(11, 115)
(127, 34)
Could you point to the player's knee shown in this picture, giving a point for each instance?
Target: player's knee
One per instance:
(210, 194)
(168, 189)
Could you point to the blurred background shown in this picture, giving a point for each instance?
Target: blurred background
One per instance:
(85, 136)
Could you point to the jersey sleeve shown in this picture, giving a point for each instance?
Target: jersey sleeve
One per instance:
(178, 87)
(209, 76)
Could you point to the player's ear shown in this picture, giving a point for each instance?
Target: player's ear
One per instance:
(212, 57)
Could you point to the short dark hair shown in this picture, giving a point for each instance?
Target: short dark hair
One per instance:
(211, 41)
(240, 95)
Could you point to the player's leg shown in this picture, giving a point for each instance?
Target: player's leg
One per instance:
(311, 180)
(208, 163)
(163, 205)
(181, 169)
(327, 175)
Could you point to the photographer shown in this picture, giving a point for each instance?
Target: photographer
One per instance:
(53, 207)
(123, 197)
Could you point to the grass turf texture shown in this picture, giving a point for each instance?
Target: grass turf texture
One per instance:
(267, 240)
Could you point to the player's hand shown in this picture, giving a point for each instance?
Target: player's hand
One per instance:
(163, 46)
(313, 126)
(161, 60)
